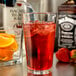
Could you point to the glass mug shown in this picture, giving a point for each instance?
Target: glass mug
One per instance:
(11, 33)
(39, 35)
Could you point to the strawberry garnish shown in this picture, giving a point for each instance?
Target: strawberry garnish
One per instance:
(63, 55)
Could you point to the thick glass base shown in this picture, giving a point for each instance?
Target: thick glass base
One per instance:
(12, 62)
(39, 72)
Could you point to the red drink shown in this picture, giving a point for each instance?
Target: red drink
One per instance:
(39, 43)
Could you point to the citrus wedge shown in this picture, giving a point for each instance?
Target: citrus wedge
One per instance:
(7, 58)
(14, 46)
(8, 45)
(6, 54)
(7, 35)
(6, 41)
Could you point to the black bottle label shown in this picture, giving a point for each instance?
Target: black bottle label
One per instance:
(67, 31)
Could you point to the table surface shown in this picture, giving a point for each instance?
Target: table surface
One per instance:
(58, 69)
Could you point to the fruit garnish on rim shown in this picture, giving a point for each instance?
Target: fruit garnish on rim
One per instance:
(8, 46)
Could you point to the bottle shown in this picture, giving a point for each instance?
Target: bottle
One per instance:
(66, 26)
(12, 18)
(2, 5)
(8, 10)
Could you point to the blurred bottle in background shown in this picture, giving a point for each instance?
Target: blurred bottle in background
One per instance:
(11, 16)
(66, 29)
(2, 4)
(45, 5)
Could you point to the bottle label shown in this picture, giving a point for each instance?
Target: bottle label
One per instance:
(67, 30)
(12, 18)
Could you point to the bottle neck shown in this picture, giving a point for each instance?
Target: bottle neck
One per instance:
(10, 3)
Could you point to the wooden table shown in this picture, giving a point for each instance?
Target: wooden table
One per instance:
(58, 69)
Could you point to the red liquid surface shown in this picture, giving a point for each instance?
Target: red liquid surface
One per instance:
(39, 43)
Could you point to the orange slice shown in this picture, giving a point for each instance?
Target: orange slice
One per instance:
(7, 58)
(6, 54)
(8, 40)
(8, 45)
(12, 35)
(14, 46)
(5, 41)
(7, 35)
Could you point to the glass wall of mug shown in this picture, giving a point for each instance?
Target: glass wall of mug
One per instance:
(39, 34)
